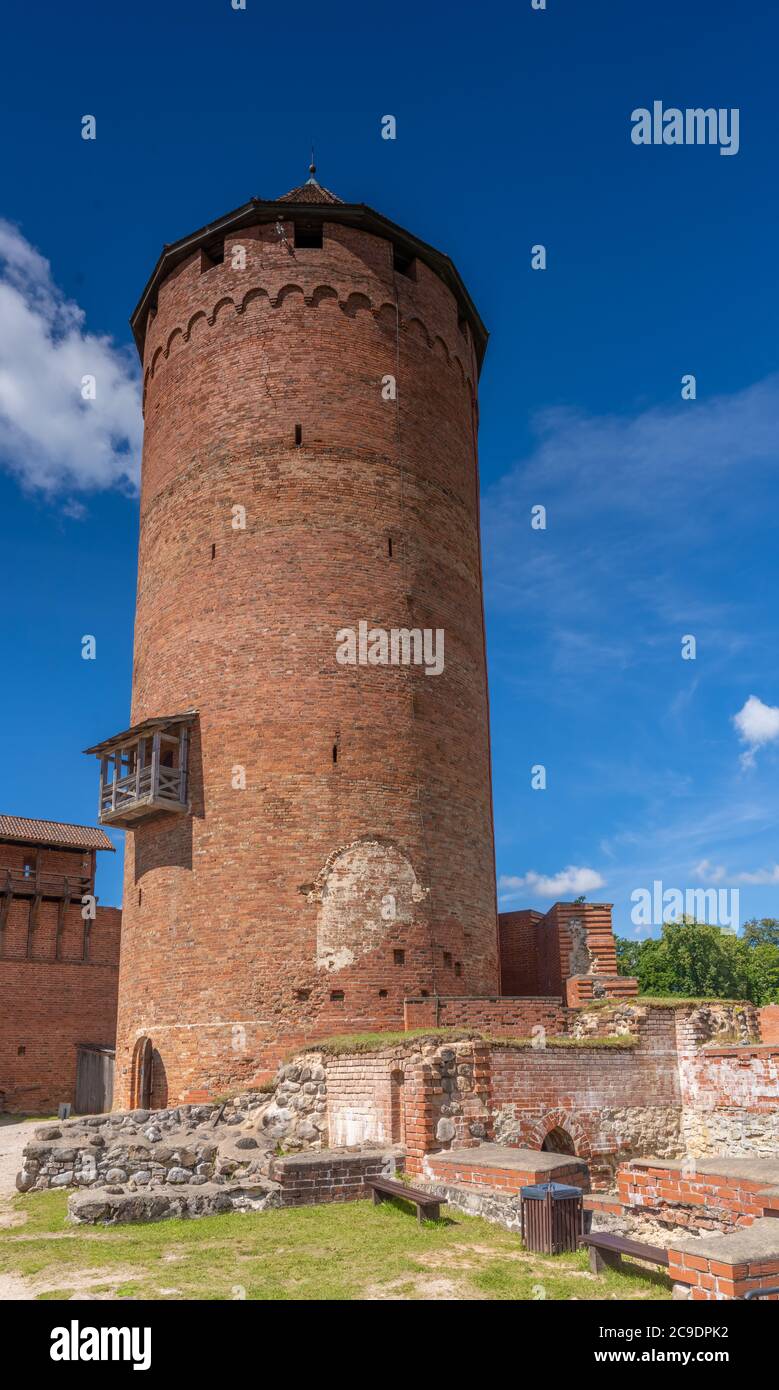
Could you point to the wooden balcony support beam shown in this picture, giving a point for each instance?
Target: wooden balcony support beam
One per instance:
(61, 910)
(5, 903)
(32, 923)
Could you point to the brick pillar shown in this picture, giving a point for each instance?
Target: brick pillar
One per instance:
(769, 1023)
(420, 1110)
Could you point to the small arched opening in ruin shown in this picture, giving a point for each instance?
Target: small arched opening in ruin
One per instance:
(397, 1113)
(559, 1141)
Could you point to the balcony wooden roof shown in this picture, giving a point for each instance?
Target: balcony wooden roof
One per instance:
(147, 726)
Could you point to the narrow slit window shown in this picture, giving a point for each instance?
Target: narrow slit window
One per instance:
(448, 959)
(458, 969)
(399, 957)
(389, 546)
(298, 436)
(335, 753)
(337, 995)
(383, 993)
(213, 552)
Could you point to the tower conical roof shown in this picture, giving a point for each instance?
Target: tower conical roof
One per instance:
(309, 192)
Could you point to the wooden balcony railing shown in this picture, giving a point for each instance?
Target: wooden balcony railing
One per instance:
(17, 884)
(141, 785)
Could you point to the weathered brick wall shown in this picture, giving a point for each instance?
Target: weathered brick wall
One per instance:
(73, 863)
(330, 1177)
(265, 906)
(715, 1271)
(517, 937)
(611, 1102)
(518, 1017)
(730, 1088)
(360, 1100)
(700, 1201)
(50, 1006)
(769, 1023)
(539, 953)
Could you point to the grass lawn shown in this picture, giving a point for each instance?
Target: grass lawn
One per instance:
(350, 1251)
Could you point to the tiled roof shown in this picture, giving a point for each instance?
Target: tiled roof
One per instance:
(53, 832)
(309, 192)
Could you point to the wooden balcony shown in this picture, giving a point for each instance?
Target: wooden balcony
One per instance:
(144, 771)
(15, 883)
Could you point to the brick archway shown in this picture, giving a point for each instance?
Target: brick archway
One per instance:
(560, 1119)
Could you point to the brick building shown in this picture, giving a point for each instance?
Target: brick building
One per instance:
(58, 964)
(310, 842)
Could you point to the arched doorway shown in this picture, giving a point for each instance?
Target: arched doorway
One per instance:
(559, 1141)
(142, 1075)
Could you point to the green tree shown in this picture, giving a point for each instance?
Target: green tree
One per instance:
(762, 932)
(695, 959)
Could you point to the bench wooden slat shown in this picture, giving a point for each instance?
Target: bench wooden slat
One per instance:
(620, 1245)
(399, 1189)
(423, 1201)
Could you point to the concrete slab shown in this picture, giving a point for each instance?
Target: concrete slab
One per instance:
(502, 1156)
(757, 1170)
(749, 1244)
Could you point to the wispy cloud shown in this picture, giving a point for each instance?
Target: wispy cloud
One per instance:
(640, 510)
(51, 438)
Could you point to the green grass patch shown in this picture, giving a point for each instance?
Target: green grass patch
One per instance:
(342, 1043)
(345, 1043)
(663, 1001)
(620, 1040)
(344, 1252)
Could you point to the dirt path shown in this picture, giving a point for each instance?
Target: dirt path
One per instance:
(14, 1134)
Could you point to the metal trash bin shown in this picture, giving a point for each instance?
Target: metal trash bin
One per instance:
(551, 1215)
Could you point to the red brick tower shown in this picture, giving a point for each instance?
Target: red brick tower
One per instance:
(311, 839)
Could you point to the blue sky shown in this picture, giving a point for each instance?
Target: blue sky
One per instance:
(512, 130)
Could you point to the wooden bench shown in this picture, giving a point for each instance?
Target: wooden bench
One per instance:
(428, 1207)
(606, 1251)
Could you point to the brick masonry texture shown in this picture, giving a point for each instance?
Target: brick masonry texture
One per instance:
(702, 1201)
(540, 953)
(58, 982)
(55, 1005)
(256, 923)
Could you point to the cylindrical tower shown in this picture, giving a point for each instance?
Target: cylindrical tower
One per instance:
(309, 483)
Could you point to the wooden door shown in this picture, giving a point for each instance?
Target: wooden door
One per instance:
(94, 1080)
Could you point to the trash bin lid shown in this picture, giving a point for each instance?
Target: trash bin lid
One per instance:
(558, 1191)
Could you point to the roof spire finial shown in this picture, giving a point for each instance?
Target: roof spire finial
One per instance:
(311, 168)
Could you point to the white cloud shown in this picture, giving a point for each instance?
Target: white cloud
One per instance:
(51, 438)
(571, 882)
(708, 872)
(761, 876)
(757, 724)
(714, 873)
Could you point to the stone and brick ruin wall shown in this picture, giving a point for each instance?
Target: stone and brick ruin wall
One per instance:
(440, 1107)
(261, 921)
(568, 953)
(58, 982)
